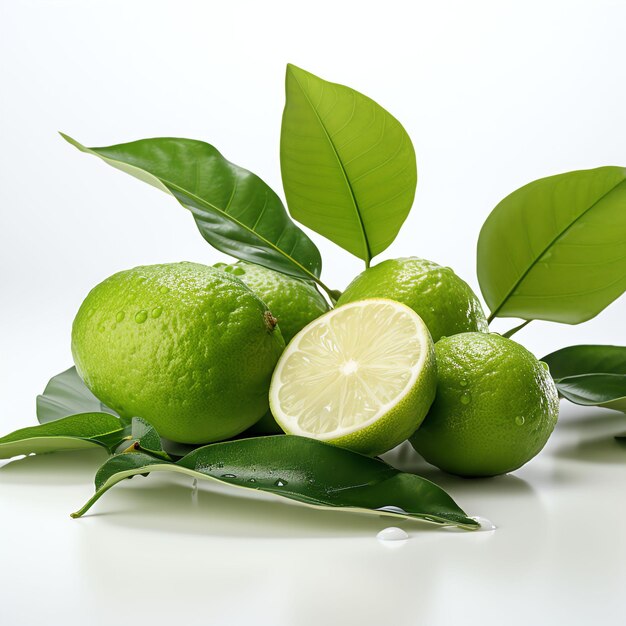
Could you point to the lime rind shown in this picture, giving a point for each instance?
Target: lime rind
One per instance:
(362, 376)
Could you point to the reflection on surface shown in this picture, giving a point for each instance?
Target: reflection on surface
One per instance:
(604, 449)
(55, 468)
(588, 435)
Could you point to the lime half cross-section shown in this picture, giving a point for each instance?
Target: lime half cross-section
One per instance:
(361, 376)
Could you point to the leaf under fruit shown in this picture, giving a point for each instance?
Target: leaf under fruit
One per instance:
(303, 470)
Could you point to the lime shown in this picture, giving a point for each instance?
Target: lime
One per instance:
(187, 347)
(293, 302)
(361, 376)
(495, 408)
(446, 303)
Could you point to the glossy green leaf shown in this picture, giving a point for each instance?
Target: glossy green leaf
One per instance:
(235, 211)
(304, 470)
(556, 248)
(144, 436)
(66, 394)
(348, 166)
(591, 375)
(75, 432)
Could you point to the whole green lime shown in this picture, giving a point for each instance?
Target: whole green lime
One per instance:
(444, 301)
(495, 408)
(187, 347)
(293, 302)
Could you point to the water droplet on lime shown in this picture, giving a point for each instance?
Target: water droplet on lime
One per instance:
(519, 420)
(156, 312)
(280, 482)
(141, 316)
(120, 316)
(466, 398)
(164, 289)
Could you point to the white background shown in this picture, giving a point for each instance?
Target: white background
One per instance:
(493, 94)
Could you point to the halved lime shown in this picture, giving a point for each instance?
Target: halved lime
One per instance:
(361, 376)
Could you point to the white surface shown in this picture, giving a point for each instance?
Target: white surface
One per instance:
(151, 550)
(494, 95)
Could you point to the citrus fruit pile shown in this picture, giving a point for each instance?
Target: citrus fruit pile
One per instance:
(203, 353)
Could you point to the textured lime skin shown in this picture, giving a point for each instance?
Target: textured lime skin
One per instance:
(495, 408)
(292, 302)
(185, 346)
(397, 424)
(444, 301)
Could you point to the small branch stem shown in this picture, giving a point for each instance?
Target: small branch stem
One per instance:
(509, 333)
(331, 293)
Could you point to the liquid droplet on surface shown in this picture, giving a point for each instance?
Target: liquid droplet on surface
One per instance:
(238, 271)
(252, 480)
(392, 534)
(281, 482)
(485, 524)
(141, 316)
(229, 476)
(156, 312)
(545, 366)
(101, 328)
(164, 289)
(390, 508)
(463, 382)
(466, 398)
(120, 316)
(519, 420)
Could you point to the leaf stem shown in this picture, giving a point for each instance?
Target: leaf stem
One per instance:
(331, 293)
(509, 333)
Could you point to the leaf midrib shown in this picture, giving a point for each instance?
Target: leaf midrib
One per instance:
(550, 244)
(207, 204)
(366, 242)
(244, 226)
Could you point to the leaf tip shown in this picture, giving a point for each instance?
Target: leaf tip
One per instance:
(72, 141)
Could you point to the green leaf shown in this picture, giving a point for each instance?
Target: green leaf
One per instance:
(144, 436)
(348, 166)
(66, 394)
(591, 375)
(235, 211)
(75, 432)
(555, 249)
(300, 469)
